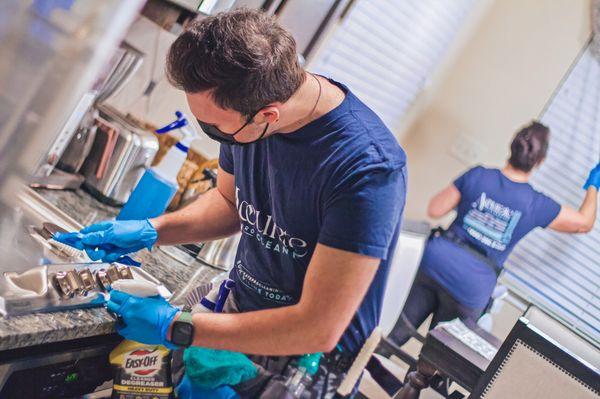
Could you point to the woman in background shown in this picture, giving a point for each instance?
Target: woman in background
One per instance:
(495, 210)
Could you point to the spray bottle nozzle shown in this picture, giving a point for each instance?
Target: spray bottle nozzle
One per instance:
(178, 123)
(184, 127)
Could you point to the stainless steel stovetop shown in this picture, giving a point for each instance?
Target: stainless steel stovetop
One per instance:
(54, 276)
(64, 286)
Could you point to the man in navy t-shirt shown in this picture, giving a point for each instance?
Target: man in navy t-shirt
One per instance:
(338, 181)
(312, 178)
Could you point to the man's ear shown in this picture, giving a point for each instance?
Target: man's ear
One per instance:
(268, 114)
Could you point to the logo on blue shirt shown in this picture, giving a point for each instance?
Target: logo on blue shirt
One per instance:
(491, 223)
(265, 230)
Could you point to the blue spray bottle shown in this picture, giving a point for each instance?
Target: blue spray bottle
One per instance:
(158, 185)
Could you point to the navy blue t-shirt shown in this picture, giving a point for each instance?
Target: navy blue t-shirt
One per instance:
(339, 181)
(493, 214)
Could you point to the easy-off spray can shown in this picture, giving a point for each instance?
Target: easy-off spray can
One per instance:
(141, 371)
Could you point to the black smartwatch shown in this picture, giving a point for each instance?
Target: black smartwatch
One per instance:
(182, 333)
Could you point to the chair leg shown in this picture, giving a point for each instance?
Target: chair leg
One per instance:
(417, 381)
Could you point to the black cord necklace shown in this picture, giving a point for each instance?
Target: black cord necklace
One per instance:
(318, 97)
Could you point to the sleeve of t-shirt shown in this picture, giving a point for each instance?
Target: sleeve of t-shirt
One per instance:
(362, 215)
(463, 182)
(226, 158)
(546, 210)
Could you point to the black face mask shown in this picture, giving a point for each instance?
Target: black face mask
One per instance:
(228, 138)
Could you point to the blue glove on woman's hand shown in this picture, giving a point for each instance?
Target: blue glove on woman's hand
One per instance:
(110, 240)
(145, 320)
(593, 179)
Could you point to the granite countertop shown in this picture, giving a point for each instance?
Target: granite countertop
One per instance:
(175, 272)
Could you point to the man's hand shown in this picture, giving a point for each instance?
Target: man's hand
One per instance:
(110, 240)
(145, 320)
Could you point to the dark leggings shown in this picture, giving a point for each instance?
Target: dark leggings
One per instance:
(426, 297)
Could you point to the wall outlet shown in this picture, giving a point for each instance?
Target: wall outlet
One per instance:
(468, 150)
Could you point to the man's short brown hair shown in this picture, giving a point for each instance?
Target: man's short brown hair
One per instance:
(244, 56)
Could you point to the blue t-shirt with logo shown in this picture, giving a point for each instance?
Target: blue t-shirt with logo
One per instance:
(339, 181)
(493, 214)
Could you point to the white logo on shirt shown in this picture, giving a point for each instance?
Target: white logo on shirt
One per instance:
(262, 226)
(491, 222)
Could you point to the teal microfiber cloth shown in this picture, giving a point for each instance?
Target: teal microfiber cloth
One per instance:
(211, 368)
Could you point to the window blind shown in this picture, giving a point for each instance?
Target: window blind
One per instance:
(385, 50)
(558, 271)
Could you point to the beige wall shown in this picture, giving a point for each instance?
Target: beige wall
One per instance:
(499, 79)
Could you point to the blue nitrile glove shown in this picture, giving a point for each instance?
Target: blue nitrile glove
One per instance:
(593, 179)
(187, 390)
(110, 240)
(74, 240)
(71, 239)
(145, 320)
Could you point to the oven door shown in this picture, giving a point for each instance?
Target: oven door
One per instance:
(59, 370)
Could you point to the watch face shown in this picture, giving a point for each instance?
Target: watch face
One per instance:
(182, 334)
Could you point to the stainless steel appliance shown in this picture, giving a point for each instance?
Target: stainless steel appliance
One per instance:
(51, 53)
(119, 156)
(66, 279)
(73, 367)
(64, 286)
(73, 143)
(80, 145)
(220, 253)
(66, 369)
(124, 63)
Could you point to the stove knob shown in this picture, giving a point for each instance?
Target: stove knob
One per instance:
(87, 279)
(75, 282)
(125, 272)
(113, 273)
(62, 285)
(103, 280)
